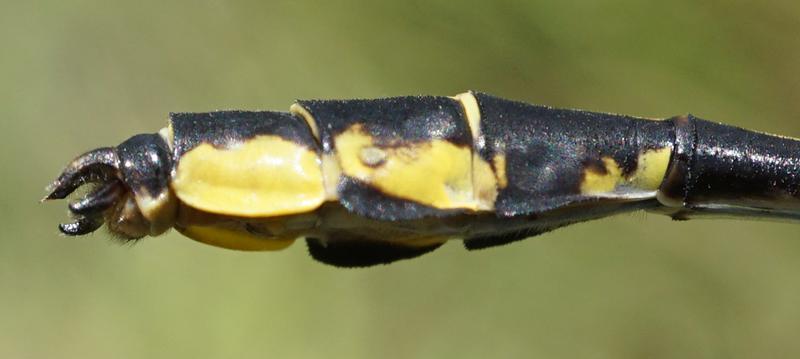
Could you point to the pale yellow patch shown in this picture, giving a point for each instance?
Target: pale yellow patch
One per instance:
(265, 176)
(302, 112)
(599, 183)
(331, 172)
(330, 166)
(472, 111)
(151, 206)
(435, 173)
(499, 162)
(484, 181)
(234, 239)
(168, 136)
(160, 211)
(651, 169)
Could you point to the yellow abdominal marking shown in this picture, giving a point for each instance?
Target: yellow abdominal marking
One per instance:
(302, 112)
(234, 239)
(472, 112)
(595, 182)
(160, 210)
(650, 170)
(499, 162)
(484, 180)
(435, 173)
(168, 135)
(263, 177)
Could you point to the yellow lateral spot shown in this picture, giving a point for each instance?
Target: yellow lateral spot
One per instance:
(234, 239)
(265, 176)
(598, 182)
(302, 112)
(436, 173)
(472, 111)
(484, 182)
(499, 162)
(651, 168)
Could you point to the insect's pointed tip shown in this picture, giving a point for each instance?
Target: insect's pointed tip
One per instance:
(55, 190)
(60, 188)
(47, 197)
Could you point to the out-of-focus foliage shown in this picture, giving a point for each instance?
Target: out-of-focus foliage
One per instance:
(75, 75)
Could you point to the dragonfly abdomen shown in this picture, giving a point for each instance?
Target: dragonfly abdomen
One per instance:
(378, 180)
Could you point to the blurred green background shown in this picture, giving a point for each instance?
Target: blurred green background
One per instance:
(75, 75)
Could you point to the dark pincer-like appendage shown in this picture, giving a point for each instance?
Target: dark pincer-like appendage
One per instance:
(100, 168)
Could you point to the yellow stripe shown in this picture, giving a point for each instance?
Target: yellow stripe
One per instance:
(472, 112)
(302, 112)
(484, 180)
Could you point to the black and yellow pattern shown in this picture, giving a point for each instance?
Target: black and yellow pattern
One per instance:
(374, 181)
(409, 157)
(246, 164)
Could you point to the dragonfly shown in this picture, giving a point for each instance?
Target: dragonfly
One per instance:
(374, 181)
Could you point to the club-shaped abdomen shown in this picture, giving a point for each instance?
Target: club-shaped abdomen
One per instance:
(718, 169)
